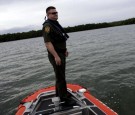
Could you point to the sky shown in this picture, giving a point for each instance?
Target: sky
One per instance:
(26, 15)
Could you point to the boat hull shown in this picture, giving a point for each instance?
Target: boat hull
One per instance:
(80, 93)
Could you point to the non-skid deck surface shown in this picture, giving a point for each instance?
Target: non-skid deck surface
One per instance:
(46, 107)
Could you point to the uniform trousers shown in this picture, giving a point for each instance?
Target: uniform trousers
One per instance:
(61, 88)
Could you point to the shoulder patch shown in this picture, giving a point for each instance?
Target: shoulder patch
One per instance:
(47, 29)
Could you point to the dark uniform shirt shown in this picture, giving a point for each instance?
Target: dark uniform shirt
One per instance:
(52, 35)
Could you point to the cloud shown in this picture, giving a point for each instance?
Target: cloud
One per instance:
(22, 13)
(8, 2)
(20, 29)
(97, 11)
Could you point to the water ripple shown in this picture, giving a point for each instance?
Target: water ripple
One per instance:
(101, 60)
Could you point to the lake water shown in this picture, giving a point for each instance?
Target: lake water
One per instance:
(103, 60)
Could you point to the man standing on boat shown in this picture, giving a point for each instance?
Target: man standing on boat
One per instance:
(55, 40)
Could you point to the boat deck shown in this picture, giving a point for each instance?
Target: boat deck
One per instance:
(48, 104)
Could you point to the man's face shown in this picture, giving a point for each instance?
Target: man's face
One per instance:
(52, 14)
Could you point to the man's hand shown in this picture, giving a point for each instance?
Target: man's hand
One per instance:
(66, 53)
(57, 60)
(51, 49)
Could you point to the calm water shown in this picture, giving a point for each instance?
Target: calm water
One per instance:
(102, 60)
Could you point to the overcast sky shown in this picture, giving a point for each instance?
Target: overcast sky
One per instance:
(25, 15)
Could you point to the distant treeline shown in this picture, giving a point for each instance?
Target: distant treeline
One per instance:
(33, 34)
